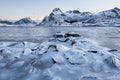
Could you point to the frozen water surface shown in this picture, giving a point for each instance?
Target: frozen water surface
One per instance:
(71, 57)
(104, 36)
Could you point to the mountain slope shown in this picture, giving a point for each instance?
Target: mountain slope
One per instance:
(25, 21)
(6, 22)
(55, 18)
(22, 22)
(105, 18)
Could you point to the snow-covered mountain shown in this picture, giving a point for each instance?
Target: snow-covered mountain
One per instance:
(22, 22)
(25, 21)
(105, 18)
(65, 56)
(5, 22)
(55, 18)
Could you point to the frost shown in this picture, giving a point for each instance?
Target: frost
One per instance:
(59, 58)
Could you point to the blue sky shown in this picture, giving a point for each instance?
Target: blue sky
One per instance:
(37, 9)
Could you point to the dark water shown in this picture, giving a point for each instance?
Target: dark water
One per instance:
(105, 36)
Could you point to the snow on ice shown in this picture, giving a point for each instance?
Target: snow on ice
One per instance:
(65, 56)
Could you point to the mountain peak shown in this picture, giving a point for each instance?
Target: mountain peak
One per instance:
(74, 11)
(27, 18)
(116, 8)
(57, 11)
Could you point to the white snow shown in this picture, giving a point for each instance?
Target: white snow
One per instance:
(76, 18)
(76, 58)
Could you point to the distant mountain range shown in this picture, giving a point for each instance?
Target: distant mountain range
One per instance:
(22, 22)
(73, 18)
(25, 21)
(76, 18)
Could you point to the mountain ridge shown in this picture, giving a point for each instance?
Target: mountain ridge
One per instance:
(106, 18)
(27, 21)
(76, 18)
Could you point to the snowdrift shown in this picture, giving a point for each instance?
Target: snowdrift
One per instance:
(65, 56)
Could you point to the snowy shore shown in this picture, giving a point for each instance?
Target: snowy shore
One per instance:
(65, 56)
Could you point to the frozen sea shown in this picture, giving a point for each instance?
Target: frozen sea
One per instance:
(53, 58)
(105, 36)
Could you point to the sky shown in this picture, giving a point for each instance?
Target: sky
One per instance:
(38, 9)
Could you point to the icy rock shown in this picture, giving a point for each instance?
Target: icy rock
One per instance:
(64, 34)
(63, 48)
(35, 66)
(3, 52)
(93, 51)
(89, 78)
(59, 35)
(75, 58)
(58, 58)
(110, 63)
(114, 50)
(72, 34)
(56, 78)
(96, 67)
(55, 59)
(17, 64)
(30, 45)
(116, 62)
(27, 51)
(47, 73)
(52, 47)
